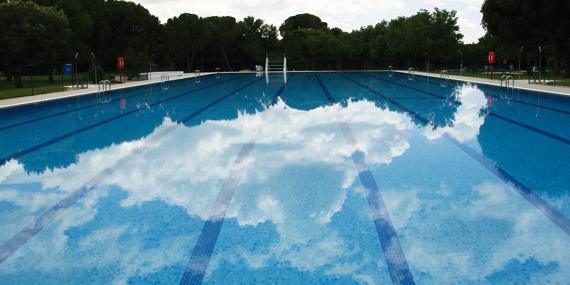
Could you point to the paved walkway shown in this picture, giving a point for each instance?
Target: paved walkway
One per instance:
(27, 100)
(520, 84)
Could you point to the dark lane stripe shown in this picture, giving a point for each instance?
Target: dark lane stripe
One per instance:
(554, 215)
(388, 99)
(98, 124)
(549, 211)
(200, 258)
(395, 259)
(491, 88)
(204, 247)
(88, 106)
(14, 243)
(410, 87)
(500, 117)
(531, 128)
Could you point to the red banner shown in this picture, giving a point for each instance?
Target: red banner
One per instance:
(492, 57)
(120, 63)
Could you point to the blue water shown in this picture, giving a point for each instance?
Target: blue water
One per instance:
(327, 178)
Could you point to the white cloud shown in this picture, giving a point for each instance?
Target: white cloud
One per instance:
(345, 14)
(310, 137)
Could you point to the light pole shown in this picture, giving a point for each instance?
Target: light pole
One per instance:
(461, 63)
(94, 63)
(75, 71)
(149, 75)
(540, 64)
(520, 56)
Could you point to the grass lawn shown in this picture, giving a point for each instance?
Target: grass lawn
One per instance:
(41, 85)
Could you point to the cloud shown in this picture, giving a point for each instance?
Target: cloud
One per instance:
(345, 14)
(308, 240)
(163, 173)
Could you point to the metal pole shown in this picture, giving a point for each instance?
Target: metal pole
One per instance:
(540, 64)
(32, 82)
(76, 77)
(94, 63)
(461, 64)
(520, 56)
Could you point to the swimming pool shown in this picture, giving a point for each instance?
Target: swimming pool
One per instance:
(335, 178)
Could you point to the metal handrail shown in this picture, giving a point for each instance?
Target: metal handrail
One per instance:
(103, 88)
(508, 81)
(164, 82)
(197, 75)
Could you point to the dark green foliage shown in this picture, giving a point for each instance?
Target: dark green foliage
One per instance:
(301, 21)
(530, 23)
(404, 42)
(31, 34)
(56, 29)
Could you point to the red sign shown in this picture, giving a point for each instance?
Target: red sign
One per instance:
(492, 57)
(121, 63)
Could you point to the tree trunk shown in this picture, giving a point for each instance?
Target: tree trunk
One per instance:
(567, 61)
(225, 56)
(192, 61)
(188, 61)
(18, 80)
(9, 76)
(51, 74)
(556, 55)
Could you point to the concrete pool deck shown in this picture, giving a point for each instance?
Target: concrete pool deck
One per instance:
(41, 98)
(519, 84)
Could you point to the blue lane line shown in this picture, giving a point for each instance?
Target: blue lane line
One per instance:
(503, 118)
(198, 264)
(494, 88)
(531, 128)
(554, 215)
(396, 260)
(412, 88)
(83, 108)
(37, 147)
(18, 240)
(548, 210)
(196, 269)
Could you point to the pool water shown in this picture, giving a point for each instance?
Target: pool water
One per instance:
(317, 178)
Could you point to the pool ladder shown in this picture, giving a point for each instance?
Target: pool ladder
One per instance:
(197, 74)
(103, 91)
(411, 74)
(507, 81)
(444, 74)
(164, 82)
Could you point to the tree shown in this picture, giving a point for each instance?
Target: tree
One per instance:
(531, 23)
(185, 36)
(256, 38)
(301, 21)
(224, 31)
(31, 34)
(437, 33)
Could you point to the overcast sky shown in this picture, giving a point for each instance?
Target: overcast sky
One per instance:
(345, 14)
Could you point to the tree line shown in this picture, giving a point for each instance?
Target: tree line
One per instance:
(47, 33)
